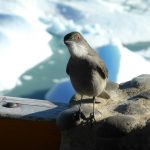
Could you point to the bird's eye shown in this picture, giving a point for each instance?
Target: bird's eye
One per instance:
(77, 37)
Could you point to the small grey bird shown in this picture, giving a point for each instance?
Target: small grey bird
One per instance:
(88, 73)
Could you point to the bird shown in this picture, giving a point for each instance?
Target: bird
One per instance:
(87, 72)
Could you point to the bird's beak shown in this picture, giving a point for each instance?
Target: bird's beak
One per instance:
(67, 42)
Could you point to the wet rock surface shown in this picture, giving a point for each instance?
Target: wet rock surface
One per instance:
(121, 122)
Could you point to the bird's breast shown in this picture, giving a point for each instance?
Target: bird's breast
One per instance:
(80, 70)
(85, 79)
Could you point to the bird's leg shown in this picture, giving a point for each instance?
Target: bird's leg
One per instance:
(92, 115)
(79, 114)
(80, 104)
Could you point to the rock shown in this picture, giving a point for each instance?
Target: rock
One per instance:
(122, 122)
(117, 126)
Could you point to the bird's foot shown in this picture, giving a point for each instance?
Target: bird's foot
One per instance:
(79, 115)
(92, 119)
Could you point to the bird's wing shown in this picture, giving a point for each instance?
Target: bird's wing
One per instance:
(102, 69)
(99, 65)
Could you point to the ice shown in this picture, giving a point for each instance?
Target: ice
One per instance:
(61, 92)
(28, 26)
(111, 55)
(123, 65)
(116, 21)
(23, 41)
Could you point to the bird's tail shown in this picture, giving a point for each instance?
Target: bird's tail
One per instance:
(104, 95)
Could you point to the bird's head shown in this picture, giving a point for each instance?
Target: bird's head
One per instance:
(76, 44)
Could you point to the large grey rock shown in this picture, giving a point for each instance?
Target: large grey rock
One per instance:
(122, 122)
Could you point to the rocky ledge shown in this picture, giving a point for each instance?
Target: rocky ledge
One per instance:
(122, 122)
